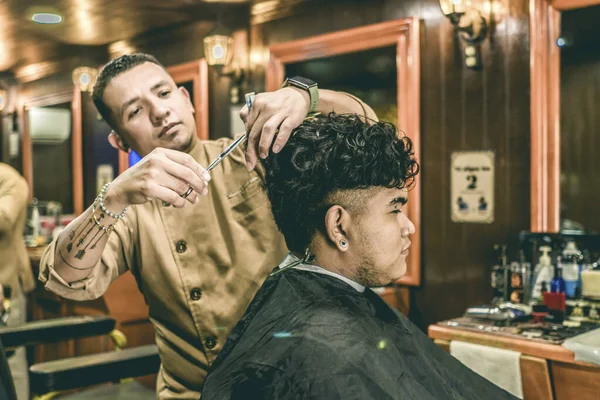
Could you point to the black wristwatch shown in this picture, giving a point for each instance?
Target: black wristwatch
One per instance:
(308, 85)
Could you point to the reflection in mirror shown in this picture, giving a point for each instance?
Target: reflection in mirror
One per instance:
(371, 75)
(50, 131)
(579, 119)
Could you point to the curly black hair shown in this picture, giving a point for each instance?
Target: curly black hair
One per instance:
(328, 155)
(111, 70)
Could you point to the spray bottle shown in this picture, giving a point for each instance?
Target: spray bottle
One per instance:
(542, 275)
(571, 258)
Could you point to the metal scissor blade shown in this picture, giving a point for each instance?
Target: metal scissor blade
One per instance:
(226, 152)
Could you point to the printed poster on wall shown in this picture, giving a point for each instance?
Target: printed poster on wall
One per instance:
(472, 187)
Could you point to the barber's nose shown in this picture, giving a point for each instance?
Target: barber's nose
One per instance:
(158, 112)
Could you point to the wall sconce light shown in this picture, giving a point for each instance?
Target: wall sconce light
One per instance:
(219, 52)
(218, 47)
(3, 99)
(85, 78)
(471, 26)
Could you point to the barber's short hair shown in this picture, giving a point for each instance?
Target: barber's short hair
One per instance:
(111, 70)
(328, 158)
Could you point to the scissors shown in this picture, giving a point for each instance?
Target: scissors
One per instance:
(249, 100)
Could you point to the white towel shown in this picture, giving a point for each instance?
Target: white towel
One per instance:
(585, 346)
(499, 366)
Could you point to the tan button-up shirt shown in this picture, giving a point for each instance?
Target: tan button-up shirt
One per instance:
(198, 267)
(15, 268)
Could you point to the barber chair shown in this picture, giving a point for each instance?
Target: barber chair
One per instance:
(110, 373)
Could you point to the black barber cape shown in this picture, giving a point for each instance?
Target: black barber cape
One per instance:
(311, 336)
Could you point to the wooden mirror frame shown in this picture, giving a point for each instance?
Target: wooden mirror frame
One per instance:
(544, 25)
(72, 96)
(405, 34)
(197, 73)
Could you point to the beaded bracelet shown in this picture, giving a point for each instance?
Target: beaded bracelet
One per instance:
(107, 228)
(101, 202)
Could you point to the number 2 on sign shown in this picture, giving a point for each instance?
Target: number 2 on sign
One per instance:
(473, 182)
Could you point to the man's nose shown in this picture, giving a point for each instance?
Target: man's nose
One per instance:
(158, 112)
(408, 229)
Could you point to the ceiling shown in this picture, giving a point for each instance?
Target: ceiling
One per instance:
(91, 23)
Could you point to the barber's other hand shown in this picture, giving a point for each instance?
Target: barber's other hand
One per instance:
(283, 109)
(163, 174)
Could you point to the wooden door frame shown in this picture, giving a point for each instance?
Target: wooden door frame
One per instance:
(544, 30)
(197, 73)
(72, 96)
(405, 34)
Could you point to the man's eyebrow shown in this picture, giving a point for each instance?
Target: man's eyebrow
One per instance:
(399, 200)
(134, 99)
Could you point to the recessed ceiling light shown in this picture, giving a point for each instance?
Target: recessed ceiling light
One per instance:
(46, 18)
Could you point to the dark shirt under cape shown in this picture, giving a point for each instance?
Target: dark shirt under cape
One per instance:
(311, 336)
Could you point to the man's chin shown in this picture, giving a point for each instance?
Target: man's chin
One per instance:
(400, 271)
(180, 142)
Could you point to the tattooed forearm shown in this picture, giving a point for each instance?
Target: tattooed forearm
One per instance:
(90, 224)
(81, 244)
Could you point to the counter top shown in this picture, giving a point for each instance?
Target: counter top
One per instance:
(553, 352)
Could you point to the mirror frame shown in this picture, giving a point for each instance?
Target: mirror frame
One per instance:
(72, 96)
(197, 73)
(544, 25)
(405, 34)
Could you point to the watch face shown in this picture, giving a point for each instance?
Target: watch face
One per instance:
(304, 81)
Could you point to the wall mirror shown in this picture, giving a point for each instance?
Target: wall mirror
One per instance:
(193, 76)
(52, 160)
(379, 63)
(565, 88)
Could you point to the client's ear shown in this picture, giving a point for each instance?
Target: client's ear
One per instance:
(337, 219)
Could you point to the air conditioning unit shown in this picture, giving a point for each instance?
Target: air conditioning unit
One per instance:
(49, 125)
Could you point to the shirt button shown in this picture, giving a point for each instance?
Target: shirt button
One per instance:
(181, 246)
(195, 294)
(211, 342)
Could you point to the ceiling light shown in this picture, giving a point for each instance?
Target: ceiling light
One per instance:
(46, 18)
(85, 78)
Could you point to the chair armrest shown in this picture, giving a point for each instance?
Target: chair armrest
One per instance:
(55, 330)
(77, 372)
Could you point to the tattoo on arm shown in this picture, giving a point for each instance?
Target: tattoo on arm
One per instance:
(77, 268)
(78, 236)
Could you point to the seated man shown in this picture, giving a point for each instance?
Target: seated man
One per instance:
(315, 330)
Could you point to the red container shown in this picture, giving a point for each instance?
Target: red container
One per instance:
(555, 301)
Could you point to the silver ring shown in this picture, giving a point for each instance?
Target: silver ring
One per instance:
(186, 194)
(250, 99)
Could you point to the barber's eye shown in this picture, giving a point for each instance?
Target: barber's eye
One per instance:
(134, 112)
(164, 93)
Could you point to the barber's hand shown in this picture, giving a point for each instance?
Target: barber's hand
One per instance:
(283, 109)
(163, 174)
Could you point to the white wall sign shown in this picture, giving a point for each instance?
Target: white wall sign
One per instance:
(472, 186)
